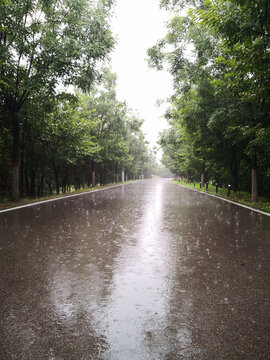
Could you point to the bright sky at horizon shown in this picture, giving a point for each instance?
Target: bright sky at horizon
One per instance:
(137, 26)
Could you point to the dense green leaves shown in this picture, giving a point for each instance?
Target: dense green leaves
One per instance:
(48, 138)
(219, 58)
(72, 141)
(45, 45)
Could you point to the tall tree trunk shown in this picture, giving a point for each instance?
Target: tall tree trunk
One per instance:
(15, 182)
(26, 179)
(117, 174)
(49, 183)
(234, 168)
(22, 165)
(38, 186)
(101, 174)
(235, 181)
(41, 185)
(93, 173)
(88, 173)
(188, 176)
(32, 182)
(32, 176)
(203, 174)
(254, 180)
(15, 156)
(56, 177)
(65, 181)
(21, 174)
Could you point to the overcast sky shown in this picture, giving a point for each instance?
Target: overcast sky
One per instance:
(138, 24)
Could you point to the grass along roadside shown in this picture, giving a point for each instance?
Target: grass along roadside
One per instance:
(239, 196)
(8, 204)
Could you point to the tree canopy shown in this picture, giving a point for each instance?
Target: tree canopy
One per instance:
(44, 45)
(52, 138)
(218, 55)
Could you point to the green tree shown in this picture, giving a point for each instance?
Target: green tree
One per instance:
(67, 138)
(110, 128)
(194, 100)
(44, 44)
(244, 30)
(230, 45)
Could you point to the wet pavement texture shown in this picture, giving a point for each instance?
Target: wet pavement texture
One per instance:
(147, 270)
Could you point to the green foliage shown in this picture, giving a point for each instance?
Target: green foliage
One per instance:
(218, 56)
(57, 138)
(180, 4)
(46, 45)
(43, 43)
(64, 137)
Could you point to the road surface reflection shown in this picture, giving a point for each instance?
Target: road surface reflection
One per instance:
(143, 271)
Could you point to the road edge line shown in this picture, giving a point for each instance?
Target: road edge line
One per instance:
(221, 198)
(63, 197)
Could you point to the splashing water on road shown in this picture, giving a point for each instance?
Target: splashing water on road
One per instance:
(143, 271)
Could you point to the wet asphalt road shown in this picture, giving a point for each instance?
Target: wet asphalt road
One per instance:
(148, 270)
